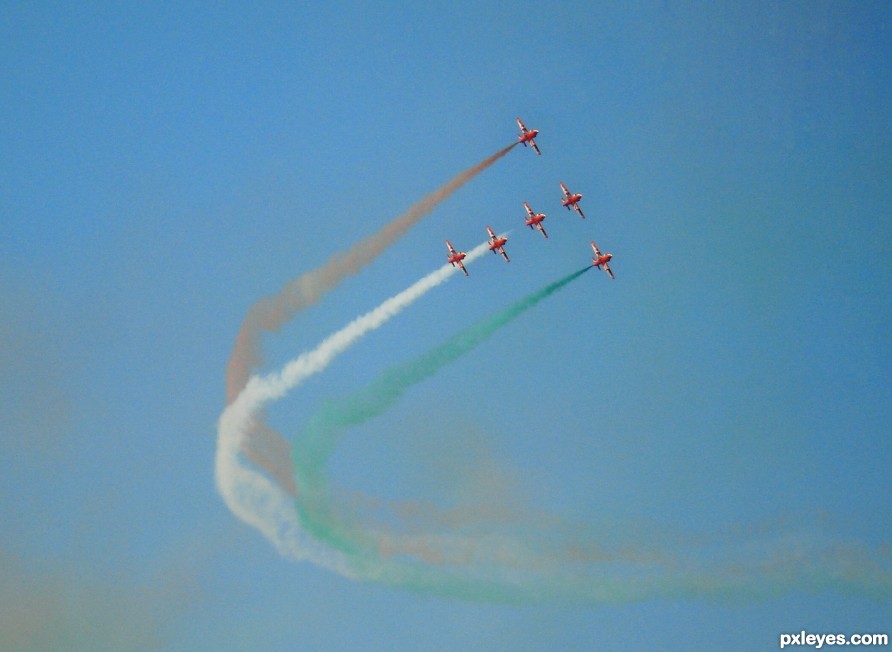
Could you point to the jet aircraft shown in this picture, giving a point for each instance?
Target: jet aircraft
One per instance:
(571, 200)
(533, 219)
(602, 261)
(526, 136)
(497, 244)
(455, 257)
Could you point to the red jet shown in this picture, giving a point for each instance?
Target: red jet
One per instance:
(571, 200)
(455, 257)
(526, 136)
(602, 261)
(497, 244)
(533, 219)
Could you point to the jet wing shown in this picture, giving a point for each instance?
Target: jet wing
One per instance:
(535, 147)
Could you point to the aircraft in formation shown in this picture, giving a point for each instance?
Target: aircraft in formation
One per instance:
(455, 257)
(497, 243)
(602, 261)
(534, 220)
(526, 136)
(571, 200)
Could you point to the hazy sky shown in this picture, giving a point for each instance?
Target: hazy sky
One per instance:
(695, 455)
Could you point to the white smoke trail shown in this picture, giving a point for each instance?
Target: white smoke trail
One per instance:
(271, 313)
(249, 494)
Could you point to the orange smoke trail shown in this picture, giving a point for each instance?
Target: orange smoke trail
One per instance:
(262, 444)
(271, 313)
(267, 449)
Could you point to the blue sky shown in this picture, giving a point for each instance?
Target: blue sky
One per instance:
(165, 167)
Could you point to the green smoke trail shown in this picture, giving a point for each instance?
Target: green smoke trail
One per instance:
(495, 569)
(321, 435)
